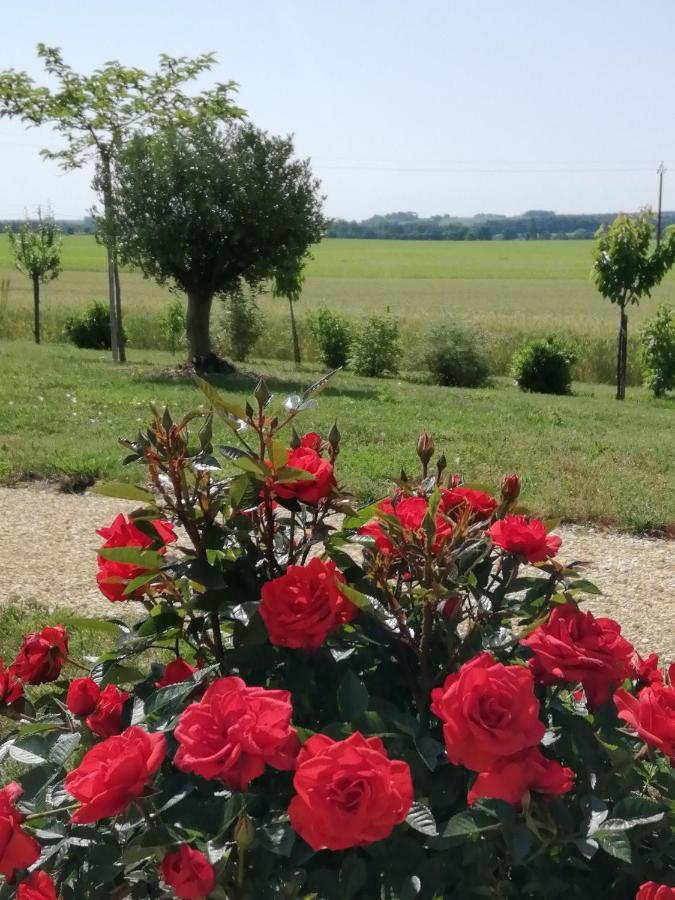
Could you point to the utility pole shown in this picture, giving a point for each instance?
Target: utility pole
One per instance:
(660, 172)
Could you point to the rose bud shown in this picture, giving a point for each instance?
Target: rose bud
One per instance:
(510, 488)
(455, 481)
(425, 448)
(449, 606)
(82, 697)
(244, 832)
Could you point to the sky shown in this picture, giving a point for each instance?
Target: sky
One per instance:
(436, 106)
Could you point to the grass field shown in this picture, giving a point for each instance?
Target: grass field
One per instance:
(508, 289)
(584, 457)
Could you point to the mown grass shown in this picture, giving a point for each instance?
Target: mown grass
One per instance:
(510, 290)
(584, 457)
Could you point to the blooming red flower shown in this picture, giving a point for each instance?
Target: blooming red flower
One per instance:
(38, 886)
(576, 647)
(513, 777)
(651, 714)
(303, 606)
(11, 688)
(114, 772)
(410, 512)
(524, 537)
(349, 793)
(113, 577)
(189, 873)
(650, 890)
(454, 501)
(489, 711)
(42, 655)
(18, 850)
(106, 720)
(646, 671)
(82, 697)
(306, 490)
(176, 671)
(311, 440)
(234, 731)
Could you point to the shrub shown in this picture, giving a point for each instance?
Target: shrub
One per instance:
(454, 357)
(91, 329)
(172, 325)
(243, 323)
(543, 366)
(658, 351)
(333, 335)
(428, 718)
(376, 347)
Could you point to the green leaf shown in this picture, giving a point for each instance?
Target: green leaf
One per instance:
(431, 751)
(232, 453)
(119, 674)
(421, 819)
(123, 491)
(225, 408)
(63, 747)
(277, 837)
(32, 751)
(584, 586)
(159, 624)
(469, 821)
(135, 556)
(637, 809)
(349, 523)
(288, 475)
(244, 492)
(352, 696)
(368, 605)
(353, 874)
(519, 840)
(615, 843)
(102, 626)
(318, 386)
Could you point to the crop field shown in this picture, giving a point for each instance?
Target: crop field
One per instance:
(509, 290)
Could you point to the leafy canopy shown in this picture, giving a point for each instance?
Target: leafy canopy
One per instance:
(37, 250)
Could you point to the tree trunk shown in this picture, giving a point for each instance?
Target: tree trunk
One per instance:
(118, 309)
(36, 307)
(622, 356)
(294, 332)
(197, 327)
(108, 215)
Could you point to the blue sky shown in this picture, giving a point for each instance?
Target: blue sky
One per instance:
(457, 107)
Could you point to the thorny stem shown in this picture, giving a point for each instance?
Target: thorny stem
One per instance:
(51, 812)
(218, 642)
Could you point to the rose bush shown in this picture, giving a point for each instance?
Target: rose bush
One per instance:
(307, 700)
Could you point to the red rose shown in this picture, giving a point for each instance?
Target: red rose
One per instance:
(348, 793)
(650, 890)
(82, 696)
(489, 711)
(301, 608)
(234, 731)
(307, 490)
(17, 849)
(646, 671)
(524, 537)
(450, 606)
(482, 505)
(106, 720)
(311, 440)
(177, 670)
(113, 577)
(651, 714)
(114, 772)
(189, 873)
(410, 512)
(576, 647)
(38, 886)
(42, 655)
(11, 688)
(513, 777)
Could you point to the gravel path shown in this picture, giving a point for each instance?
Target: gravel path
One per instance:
(48, 542)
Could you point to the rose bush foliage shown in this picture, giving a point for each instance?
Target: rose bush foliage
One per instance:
(307, 700)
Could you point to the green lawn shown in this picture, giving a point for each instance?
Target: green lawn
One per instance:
(585, 457)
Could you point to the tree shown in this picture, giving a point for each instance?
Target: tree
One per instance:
(97, 113)
(625, 269)
(37, 253)
(288, 283)
(208, 206)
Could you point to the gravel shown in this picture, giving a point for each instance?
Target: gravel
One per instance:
(48, 542)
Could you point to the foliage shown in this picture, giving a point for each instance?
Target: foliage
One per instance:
(37, 248)
(243, 322)
(544, 366)
(376, 347)
(229, 204)
(455, 357)
(658, 351)
(90, 329)
(423, 710)
(333, 334)
(172, 325)
(625, 269)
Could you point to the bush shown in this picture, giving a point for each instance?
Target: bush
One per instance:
(243, 323)
(376, 347)
(658, 351)
(428, 718)
(172, 325)
(543, 366)
(455, 357)
(91, 329)
(333, 335)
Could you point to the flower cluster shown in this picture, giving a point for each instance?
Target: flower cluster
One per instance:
(314, 700)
